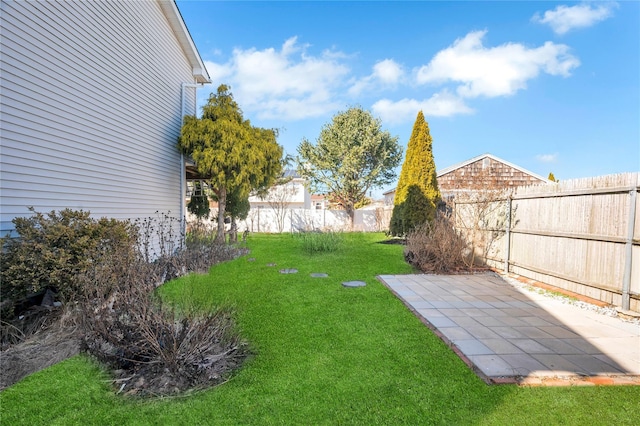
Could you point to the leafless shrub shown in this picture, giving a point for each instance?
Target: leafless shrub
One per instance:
(154, 348)
(437, 247)
(173, 254)
(115, 311)
(479, 206)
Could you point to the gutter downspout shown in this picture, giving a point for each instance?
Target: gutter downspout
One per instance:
(183, 193)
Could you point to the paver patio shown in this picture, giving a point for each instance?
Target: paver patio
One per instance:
(508, 334)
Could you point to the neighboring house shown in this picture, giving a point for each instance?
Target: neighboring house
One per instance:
(93, 96)
(483, 171)
(319, 202)
(291, 195)
(389, 196)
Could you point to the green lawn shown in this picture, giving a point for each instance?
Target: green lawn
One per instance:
(323, 354)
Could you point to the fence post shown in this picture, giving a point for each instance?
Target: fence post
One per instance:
(507, 237)
(626, 280)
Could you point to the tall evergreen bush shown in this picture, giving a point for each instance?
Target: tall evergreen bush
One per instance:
(417, 194)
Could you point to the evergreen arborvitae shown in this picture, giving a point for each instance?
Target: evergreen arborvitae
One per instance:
(417, 194)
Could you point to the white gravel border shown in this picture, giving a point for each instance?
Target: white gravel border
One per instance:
(608, 311)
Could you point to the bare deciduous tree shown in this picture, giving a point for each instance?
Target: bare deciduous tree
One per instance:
(481, 214)
(279, 199)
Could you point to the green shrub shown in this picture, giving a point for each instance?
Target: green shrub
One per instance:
(199, 203)
(52, 250)
(320, 242)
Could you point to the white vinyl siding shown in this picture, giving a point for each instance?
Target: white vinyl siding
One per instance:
(90, 109)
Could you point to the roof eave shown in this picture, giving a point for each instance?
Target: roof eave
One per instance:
(172, 13)
(493, 157)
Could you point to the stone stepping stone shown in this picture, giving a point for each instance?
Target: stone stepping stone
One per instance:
(354, 284)
(251, 259)
(289, 271)
(271, 264)
(319, 275)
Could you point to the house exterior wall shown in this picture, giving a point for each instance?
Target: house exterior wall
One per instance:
(388, 197)
(91, 109)
(485, 172)
(291, 195)
(479, 173)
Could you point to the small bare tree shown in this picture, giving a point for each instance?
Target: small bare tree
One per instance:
(254, 218)
(382, 216)
(481, 214)
(279, 199)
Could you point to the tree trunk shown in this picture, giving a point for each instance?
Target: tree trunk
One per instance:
(222, 204)
(351, 211)
(233, 232)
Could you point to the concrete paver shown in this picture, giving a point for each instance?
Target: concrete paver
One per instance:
(509, 334)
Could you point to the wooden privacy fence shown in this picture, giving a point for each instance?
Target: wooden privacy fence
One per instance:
(580, 235)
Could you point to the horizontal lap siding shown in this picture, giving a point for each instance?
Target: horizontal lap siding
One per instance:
(91, 109)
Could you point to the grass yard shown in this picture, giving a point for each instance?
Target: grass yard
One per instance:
(323, 355)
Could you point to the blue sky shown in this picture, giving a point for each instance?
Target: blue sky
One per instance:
(549, 86)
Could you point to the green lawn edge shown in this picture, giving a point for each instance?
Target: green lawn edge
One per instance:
(322, 354)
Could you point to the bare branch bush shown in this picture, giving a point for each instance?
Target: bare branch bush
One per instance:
(437, 247)
(107, 272)
(155, 348)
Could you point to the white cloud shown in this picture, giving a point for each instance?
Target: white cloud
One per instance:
(566, 18)
(386, 73)
(495, 71)
(291, 84)
(442, 104)
(218, 72)
(547, 158)
(288, 84)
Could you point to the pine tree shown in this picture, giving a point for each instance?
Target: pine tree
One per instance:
(417, 194)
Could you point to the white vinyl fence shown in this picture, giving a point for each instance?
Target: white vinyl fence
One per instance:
(296, 220)
(270, 220)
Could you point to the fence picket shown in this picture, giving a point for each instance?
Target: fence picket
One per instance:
(581, 235)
